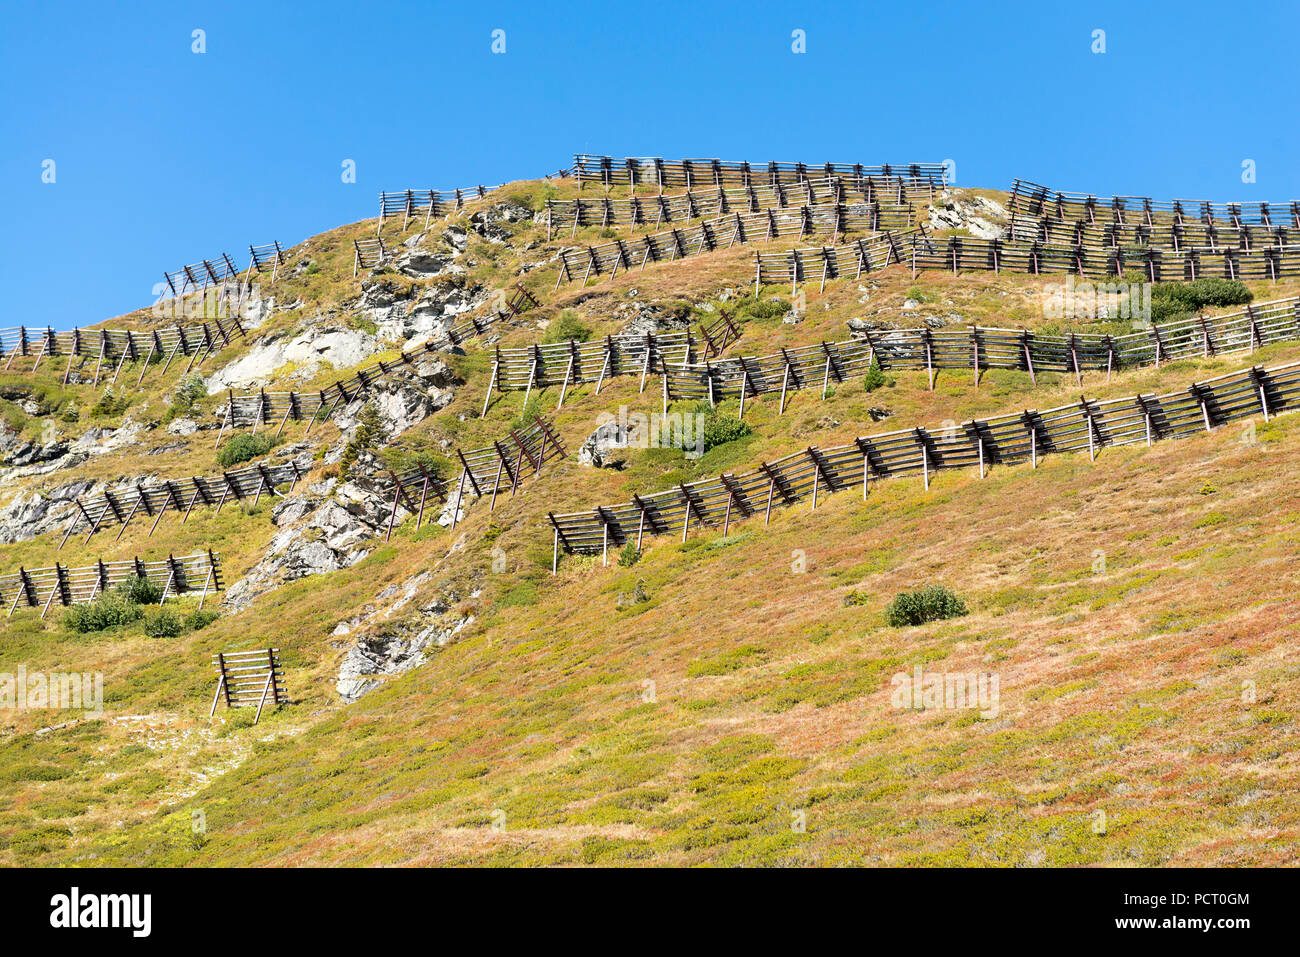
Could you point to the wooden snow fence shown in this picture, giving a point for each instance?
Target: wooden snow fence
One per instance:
(43, 587)
(1087, 425)
(249, 679)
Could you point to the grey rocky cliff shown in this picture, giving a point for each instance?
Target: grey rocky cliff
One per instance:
(387, 648)
(330, 526)
(977, 215)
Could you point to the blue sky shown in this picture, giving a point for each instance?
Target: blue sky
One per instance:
(164, 156)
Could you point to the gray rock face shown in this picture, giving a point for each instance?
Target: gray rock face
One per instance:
(488, 222)
(400, 314)
(317, 535)
(456, 238)
(641, 318)
(606, 448)
(436, 311)
(977, 215)
(392, 649)
(35, 514)
(403, 401)
(182, 427)
(425, 264)
(859, 327)
(340, 347)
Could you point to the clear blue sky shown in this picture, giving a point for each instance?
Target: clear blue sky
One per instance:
(164, 156)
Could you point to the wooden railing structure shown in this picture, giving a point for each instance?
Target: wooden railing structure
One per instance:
(975, 348)
(488, 471)
(718, 335)
(922, 250)
(152, 499)
(656, 172)
(834, 262)
(1087, 425)
(1036, 200)
(572, 363)
(246, 678)
(655, 211)
(222, 269)
(412, 203)
(118, 346)
(42, 587)
(581, 263)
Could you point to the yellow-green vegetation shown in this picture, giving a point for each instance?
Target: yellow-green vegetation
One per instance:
(713, 701)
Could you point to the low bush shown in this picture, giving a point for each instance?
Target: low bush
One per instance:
(242, 448)
(109, 404)
(200, 618)
(565, 327)
(875, 378)
(721, 429)
(107, 611)
(139, 591)
(752, 308)
(1175, 300)
(163, 623)
(930, 603)
(629, 556)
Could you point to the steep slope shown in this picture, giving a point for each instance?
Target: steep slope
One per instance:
(723, 699)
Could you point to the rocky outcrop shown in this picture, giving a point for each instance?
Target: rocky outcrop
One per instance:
(488, 222)
(391, 649)
(976, 215)
(640, 318)
(402, 401)
(332, 345)
(402, 313)
(328, 527)
(36, 513)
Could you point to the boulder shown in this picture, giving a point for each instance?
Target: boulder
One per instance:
(642, 318)
(606, 448)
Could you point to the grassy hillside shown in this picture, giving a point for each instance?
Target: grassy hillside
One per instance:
(721, 700)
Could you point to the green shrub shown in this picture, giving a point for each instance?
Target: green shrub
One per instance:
(242, 448)
(107, 611)
(190, 390)
(567, 326)
(875, 378)
(762, 308)
(109, 405)
(163, 623)
(721, 429)
(1174, 300)
(200, 618)
(629, 556)
(930, 603)
(139, 591)
(368, 435)
(856, 598)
